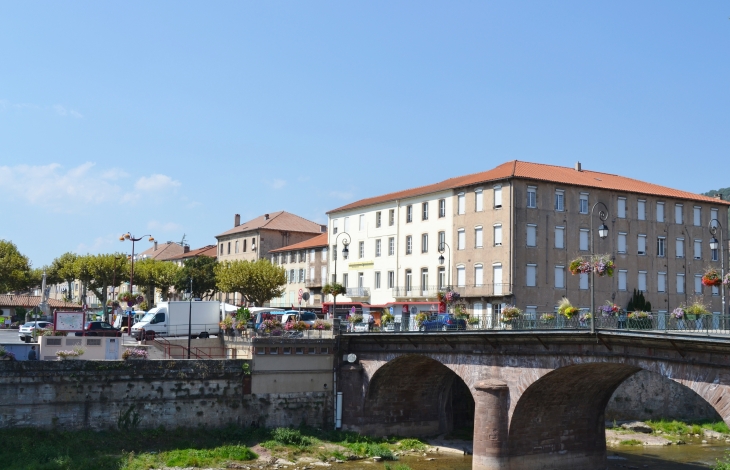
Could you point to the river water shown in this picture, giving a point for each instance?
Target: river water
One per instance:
(685, 457)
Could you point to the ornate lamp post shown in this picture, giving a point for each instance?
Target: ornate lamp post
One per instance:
(131, 238)
(441, 260)
(189, 295)
(602, 233)
(345, 252)
(714, 245)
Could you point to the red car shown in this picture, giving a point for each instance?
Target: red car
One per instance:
(99, 328)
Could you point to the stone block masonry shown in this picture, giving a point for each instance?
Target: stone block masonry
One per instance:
(94, 394)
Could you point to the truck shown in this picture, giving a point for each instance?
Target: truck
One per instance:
(171, 319)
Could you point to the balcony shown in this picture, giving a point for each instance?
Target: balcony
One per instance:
(484, 290)
(411, 292)
(313, 283)
(358, 292)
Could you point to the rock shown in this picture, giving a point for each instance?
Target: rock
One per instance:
(680, 442)
(704, 441)
(429, 459)
(377, 458)
(710, 434)
(637, 426)
(339, 461)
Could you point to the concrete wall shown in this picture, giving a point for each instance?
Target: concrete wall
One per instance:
(92, 394)
(280, 365)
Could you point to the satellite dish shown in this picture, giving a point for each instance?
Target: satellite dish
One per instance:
(305, 296)
(351, 358)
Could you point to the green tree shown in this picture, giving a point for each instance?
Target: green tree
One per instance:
(202, 270)
(99, 272)
(14, 268)
(151, 274)
(258, 282)
(334, 289)
(63, 269)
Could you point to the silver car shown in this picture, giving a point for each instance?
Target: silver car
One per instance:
(25, 333)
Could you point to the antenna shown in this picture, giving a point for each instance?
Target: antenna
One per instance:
(182, 242)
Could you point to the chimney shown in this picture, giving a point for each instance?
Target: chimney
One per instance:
(323, 228)
(186, 248)
(155, 245)
(237, 220)
(578, 167)
(266, 216)
(718, 196)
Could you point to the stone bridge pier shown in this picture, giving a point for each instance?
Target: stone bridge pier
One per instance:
(534, 400)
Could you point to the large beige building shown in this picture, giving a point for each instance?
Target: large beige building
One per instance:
(305, 264)
(511, 233)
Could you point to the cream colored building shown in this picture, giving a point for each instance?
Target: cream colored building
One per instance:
(512, 232)
(305, 264)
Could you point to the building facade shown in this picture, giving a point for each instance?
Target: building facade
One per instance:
(306, 270)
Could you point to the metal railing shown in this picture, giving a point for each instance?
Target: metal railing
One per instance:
(663, 322)
(485, 290)
(415, 291)
(313, 283)
(358, 292)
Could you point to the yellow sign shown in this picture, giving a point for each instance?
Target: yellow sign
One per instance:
(362, 265)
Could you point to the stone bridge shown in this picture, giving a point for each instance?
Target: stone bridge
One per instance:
(536, 399)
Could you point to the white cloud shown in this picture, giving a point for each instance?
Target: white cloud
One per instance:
(62, 111)
(277, 183)
(156, 182)
(107, 244)
(164, 227)
(342, 194)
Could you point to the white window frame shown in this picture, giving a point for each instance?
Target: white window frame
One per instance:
(361, 222)
(621, 208)
(559, 200)
(424, 210)
(559, 274)
(478, 272)
(531, 275)
(584, 235)
(583, 281)
(639, 242)
(623, 276)
(661, 247)
(461, 204)
(409, 244)
(461, 239)
(583, 203)
(698, 284)
(680, 283)
(534, 235)
(497, 234)
(378, 247)
(679, 214)
(478, 237)
(498, 196)
(679, 248)
(442, 208)
(461, 275)
(697, 216)
(642, 278)
(622, 236)
(424, 243)
(561, 230)
(391, 246)
(479, 200)
(697, 254)
(660, 215)
(641, 209)
(361, 250)
(661, 281)
(531, 201)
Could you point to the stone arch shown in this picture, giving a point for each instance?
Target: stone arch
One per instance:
(415, 395)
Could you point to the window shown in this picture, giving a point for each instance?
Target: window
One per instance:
(291, 276)
(713, 255)
(583, 242)
(442, 208)
(391, 279)
(391, 246)
(697, 213)
(559, 277)
(323, 274)
(497, 278)
(360, 280)
(461, 203)
(583, 203)
(424, 211)
(460, 276)
(661, 247)
(377, 247)
(345, 278)
(302, 273)
(221, 248)
(531, 197)
(531, 235)
(461, 241)
(660, 212)
(531, 275)
(324, 350)
(442, 278)
(442, 241)
(641, 245)
(641, 209)
(287, 349)
(334, 226)
(324, 253)
(583, 281)
(424, 279)
(478, 275)
(478, 200)
(236, 246)
(347, 224)
(229, 248)
(409, 213)
(299, 350)
(678, 214)
(680, 283)
(409, 280)
(698, 283)
(378, 219)
(622, 274)
(377, 279)
(559, 200)
(424, 243)
(478, 237)
(715, 290)
(273, 350)
(409, 245)
(661, 282)
(621, 242)
(361, 250)
(391, 217)
(679, 247)
(698, 249)
(361, 223)
(311, 350)
(621, 208)
(497, 197)
(642, 281)
(713, 217)
(498, 235)
(560, 237)
(311, 273)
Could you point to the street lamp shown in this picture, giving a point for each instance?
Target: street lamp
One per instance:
(345, 252)
(441, 259)
(602, 233)
(189, 295)
(131, 238)
(714, 245)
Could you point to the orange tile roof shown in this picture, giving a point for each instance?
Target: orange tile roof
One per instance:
(281, 220)
(538, 172)
(208, 250)
(30, 301)
(315, 242)
(164, 251)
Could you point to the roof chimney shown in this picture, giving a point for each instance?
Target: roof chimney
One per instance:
(578, 167)
(266, 216)
(237, 220)
(186, 248)
(718, 196)
(155, 245)
(323, 228)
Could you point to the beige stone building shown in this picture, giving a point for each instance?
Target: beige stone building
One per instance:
(305, 264)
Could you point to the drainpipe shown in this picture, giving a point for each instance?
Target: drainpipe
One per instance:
(512, 241)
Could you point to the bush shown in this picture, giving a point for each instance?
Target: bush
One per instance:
(291, 437)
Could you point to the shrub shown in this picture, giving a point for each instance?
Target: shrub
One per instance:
(64, 355)
(291, 437)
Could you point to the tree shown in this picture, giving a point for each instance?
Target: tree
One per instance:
(202, 270)
(151, 274)
(14, 268)
(334, 290)
(258, 281)
(63, 269)
(99, 272)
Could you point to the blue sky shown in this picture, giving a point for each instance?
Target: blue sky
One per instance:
(170, 117)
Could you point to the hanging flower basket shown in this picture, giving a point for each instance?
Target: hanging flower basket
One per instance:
(609, 309)
(603, 265)
(579, 266)
(130, 298)
(726, 281)
(510, 312)
(452, 296)
(711, 278)
(566, 309)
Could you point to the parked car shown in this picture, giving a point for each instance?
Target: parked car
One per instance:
(99, 328)
(307, 317)
(25, 332)
(443, 322)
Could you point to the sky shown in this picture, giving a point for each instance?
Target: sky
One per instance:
(169, 117)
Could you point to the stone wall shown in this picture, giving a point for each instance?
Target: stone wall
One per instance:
(646, 395)
(93, 394)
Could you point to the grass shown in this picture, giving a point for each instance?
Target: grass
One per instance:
(630, 442)
(680, 427)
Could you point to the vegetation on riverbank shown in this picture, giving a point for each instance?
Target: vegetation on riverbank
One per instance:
(31, 449)
(675, 427)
